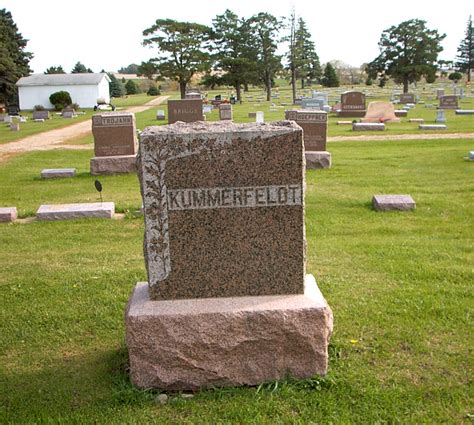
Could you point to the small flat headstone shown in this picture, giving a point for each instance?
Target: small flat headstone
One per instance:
(401, 113)
(368, 126)
(73, 211)
(14, 126)
(54, 173)
(471, 155)
(39, 120)
(252, 115)
(432, 127)
(417, 120)
(8, 214)
(464, 111)
(160, 115)
(393, 203)
(344, 123)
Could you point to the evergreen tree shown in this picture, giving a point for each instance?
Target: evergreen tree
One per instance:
(263, 30)
(131, 87)
(308, 65)
(14, 60)
(80, 68)
(55, 70)
(234, 56)
(465, 59)
(130, 69)
(148, 69)
(330, 77)
(116, 88)
(407, 52)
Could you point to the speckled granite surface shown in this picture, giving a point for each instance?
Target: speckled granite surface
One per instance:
(224, 209)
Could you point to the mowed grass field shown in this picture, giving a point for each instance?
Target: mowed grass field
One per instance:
(399, 284)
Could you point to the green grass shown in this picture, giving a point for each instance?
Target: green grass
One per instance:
(399, 284)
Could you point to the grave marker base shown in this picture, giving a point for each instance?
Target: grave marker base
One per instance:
(102, 165)
(317, 160)
(217, 342)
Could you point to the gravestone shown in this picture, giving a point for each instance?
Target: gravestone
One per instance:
(225, 256)
(399, 113)
(393, 203)
(193, 95)
(8, 119)
(471, 155)
(315, 133)
(55, 173)
(187, 110)
(225, 112)
(380, 112)
(41, 115)
(68, 112)
(160, 115)
(15, 126)
(432, 127)
(368, 126)
(464, 111)
(440, 115)
(312, 104)
(439, 93)
(417, 120)
(448, 102)
(407, 98)
(8, 214)
(352, 104)
(58, 212)
(259, 117)
(115, 143)
(207, 109)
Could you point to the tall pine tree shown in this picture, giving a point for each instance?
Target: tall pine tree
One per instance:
(14, 60)
(465, 59)
(308, 66)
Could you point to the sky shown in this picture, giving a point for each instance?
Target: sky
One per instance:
(107, 34)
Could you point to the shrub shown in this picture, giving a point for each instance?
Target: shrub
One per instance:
(62, 98)
(75, 106)
(58, 107)
(455, 76)
(39, 108)
(131, 87)
(153, 91)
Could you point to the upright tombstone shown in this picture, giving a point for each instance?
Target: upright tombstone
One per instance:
(380, 112)
(407, 98)
(225, 112)
(315, 133)
(185, 110)
(440, 115)
(311, 103)
(225, 257)
(193, 95)
(448, 102)
(160, 115)
(115, 143)
(439, 93)
(41, 115)
(352, 104)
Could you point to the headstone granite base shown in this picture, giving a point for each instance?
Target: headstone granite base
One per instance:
(8, 214)
(317, 160)
(432, 127)
(57, 173)
(393, 203)
(193, 344)
(103, 165)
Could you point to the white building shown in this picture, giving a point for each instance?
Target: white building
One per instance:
(84, 89)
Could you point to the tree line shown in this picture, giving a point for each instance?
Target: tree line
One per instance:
(238, 52)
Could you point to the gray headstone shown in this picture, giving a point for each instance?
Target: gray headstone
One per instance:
(393, 203)
(53, 173)
(8, 214)
(74, 211)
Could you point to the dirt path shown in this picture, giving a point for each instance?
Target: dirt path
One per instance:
(55, 139)
(424, 136)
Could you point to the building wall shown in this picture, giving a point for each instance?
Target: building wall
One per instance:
(85, 95)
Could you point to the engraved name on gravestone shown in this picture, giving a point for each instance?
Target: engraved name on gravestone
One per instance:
(448, 102)
(223, 207)
(186, 110)
(352, 104)
(314, 125)
(114, 134)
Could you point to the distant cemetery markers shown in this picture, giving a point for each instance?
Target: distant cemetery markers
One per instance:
(225, 257)
(115, 143)
(407, 98)
(448, 102)
(352, 104)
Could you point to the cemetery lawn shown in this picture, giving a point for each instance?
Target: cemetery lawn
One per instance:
(399, 284)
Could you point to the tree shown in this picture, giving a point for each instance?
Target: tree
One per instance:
(455, 76)
(131, 87)
(407, 52)
(308, 65)
(293, 54)
(79, 68)
(60, 99)
(235, 57)
(55, 70)
(148, 69)
(465, 58)
(263, 30)
(182, 46)
(14, 60)
(330, 77)
(130, 69)
(116, 88)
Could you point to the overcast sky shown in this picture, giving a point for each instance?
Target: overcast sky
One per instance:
(107, 34)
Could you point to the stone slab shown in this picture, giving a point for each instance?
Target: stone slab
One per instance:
(8, 214)
(393, 203)
(380, 112)
(103, 165)
(349, 114)
(464, 111)
(73, 211)
(223, 209)
(432, 127)
(317, 160)
(216, 342)
(368, 126)
(54, 173)
(417, 120)
(471, 155)
(400, 113)
(344, 122)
